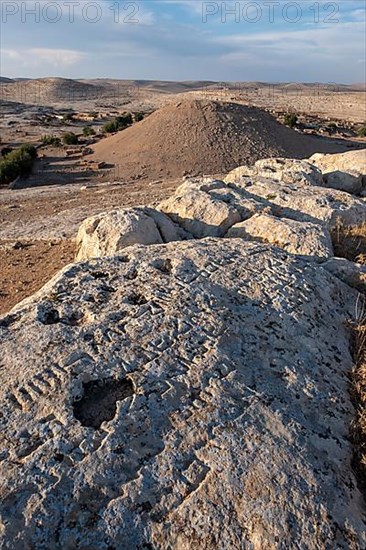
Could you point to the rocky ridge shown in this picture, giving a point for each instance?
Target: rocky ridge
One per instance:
(192, 392)
(279, 201)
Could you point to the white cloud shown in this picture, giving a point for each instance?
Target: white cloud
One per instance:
(42, 58)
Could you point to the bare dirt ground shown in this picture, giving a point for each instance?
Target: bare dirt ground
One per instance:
(38, 225)
(26, 267)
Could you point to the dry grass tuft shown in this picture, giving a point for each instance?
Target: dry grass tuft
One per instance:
(350, 242)
(358, 431)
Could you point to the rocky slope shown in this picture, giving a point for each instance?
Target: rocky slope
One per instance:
(189, 390)
(278, 201)
(139, 409)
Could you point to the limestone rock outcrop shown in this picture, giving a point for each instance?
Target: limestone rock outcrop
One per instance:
(249, 196)
(344, 171)
(108, 233)
(279, 169)
(350, 182)
(180, 396)
(352, 161)
(206, 207)
(303, 203)
(352, 273)
(200, 213)
(311, 240)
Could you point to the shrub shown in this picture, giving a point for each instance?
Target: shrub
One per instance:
(110, 127)
(29, 149)
(70, 139)
(51, 140)
(291, 120)
(17, 163)
(119, 123)
(362, 131)
(5, 151)
(9, 171)
(139, 117)
(124, 120)
(88, 131)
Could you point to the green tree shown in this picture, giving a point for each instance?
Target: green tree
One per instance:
(18, 162)
(291, 120)
(69, 138)
(51, 140)
(88, 131)
(110, 127)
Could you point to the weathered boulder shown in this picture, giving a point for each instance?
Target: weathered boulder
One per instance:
(353, 274)
(205, 207)
(312, 240)
(351, 161)
(344, 171)
(199, 203)
(179, 396)
(199, 212)
(108, 233)
(278, 169)
(305, 203)
(350, 182)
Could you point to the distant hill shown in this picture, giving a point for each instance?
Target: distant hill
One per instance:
(48, 90)
(58, 90)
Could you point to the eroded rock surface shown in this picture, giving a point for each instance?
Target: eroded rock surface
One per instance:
(311, 240)
(352, 273)
(305, 203)
(202, 208)
(279, 169)
(351, 181)
(180, 396)
(108, 233)
(354, 161)
(200, 213)
(344, 171)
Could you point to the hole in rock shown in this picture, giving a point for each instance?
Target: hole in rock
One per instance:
(136, 299)
(99, 275)
(74, 319)
(99, 401)
(49, 317)
(165, 266)
(59, 457)
(132, 275)
(123, 259)
(7, 321)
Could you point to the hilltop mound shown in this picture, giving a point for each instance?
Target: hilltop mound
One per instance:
(49, 90)
(200, 137)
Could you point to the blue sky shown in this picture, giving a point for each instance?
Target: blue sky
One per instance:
(274, 41)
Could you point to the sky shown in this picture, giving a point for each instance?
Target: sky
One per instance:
(263, 40)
